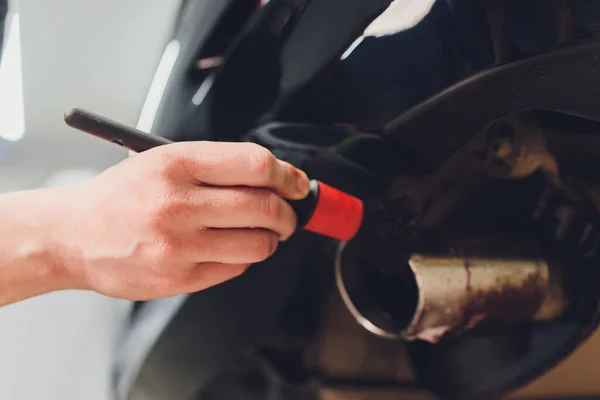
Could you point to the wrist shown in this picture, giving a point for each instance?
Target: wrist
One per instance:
(31, 244)
(56, 235)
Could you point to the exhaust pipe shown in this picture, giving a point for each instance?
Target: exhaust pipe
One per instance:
(439, 296)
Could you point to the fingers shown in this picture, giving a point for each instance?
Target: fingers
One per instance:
(244, 208)
(243, 164)
(234, 246)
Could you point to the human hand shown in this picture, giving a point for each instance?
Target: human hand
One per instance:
(178, 219)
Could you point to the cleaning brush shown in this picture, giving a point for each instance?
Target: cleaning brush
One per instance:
(326, 210)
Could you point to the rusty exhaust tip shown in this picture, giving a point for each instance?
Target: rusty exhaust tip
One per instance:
(440, 296)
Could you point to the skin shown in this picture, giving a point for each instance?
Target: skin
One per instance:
(175, 219)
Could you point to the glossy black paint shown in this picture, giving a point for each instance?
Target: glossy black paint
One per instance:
(291, 57)
(386, 76)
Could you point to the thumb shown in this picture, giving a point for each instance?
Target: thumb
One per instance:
(292, 183)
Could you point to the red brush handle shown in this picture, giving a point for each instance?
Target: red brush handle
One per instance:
(337, 215)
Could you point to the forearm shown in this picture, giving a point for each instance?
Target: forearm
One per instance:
(29, 244)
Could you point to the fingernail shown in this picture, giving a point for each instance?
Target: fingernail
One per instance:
(303, 183)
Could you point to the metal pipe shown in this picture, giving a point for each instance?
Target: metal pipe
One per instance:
(449, 295)
(458, 294)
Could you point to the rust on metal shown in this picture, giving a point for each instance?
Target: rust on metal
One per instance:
(453, 295)
(457, 294)
(516, 147)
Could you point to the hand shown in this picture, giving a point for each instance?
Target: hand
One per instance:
(178, 219)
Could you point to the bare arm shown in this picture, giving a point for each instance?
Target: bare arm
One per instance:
(173, 220)
(28, 266)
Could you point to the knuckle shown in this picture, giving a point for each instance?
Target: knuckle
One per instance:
(169, 200)
(263, 246)
(157, 222)
(262, 163)
(270, 206)
(168, 161)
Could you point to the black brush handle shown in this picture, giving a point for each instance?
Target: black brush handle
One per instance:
(112, 131)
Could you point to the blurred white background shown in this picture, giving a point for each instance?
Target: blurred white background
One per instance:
(96, 54)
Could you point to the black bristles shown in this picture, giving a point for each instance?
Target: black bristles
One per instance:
(390, 233)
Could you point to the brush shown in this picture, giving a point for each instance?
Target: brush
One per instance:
(325, 211)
